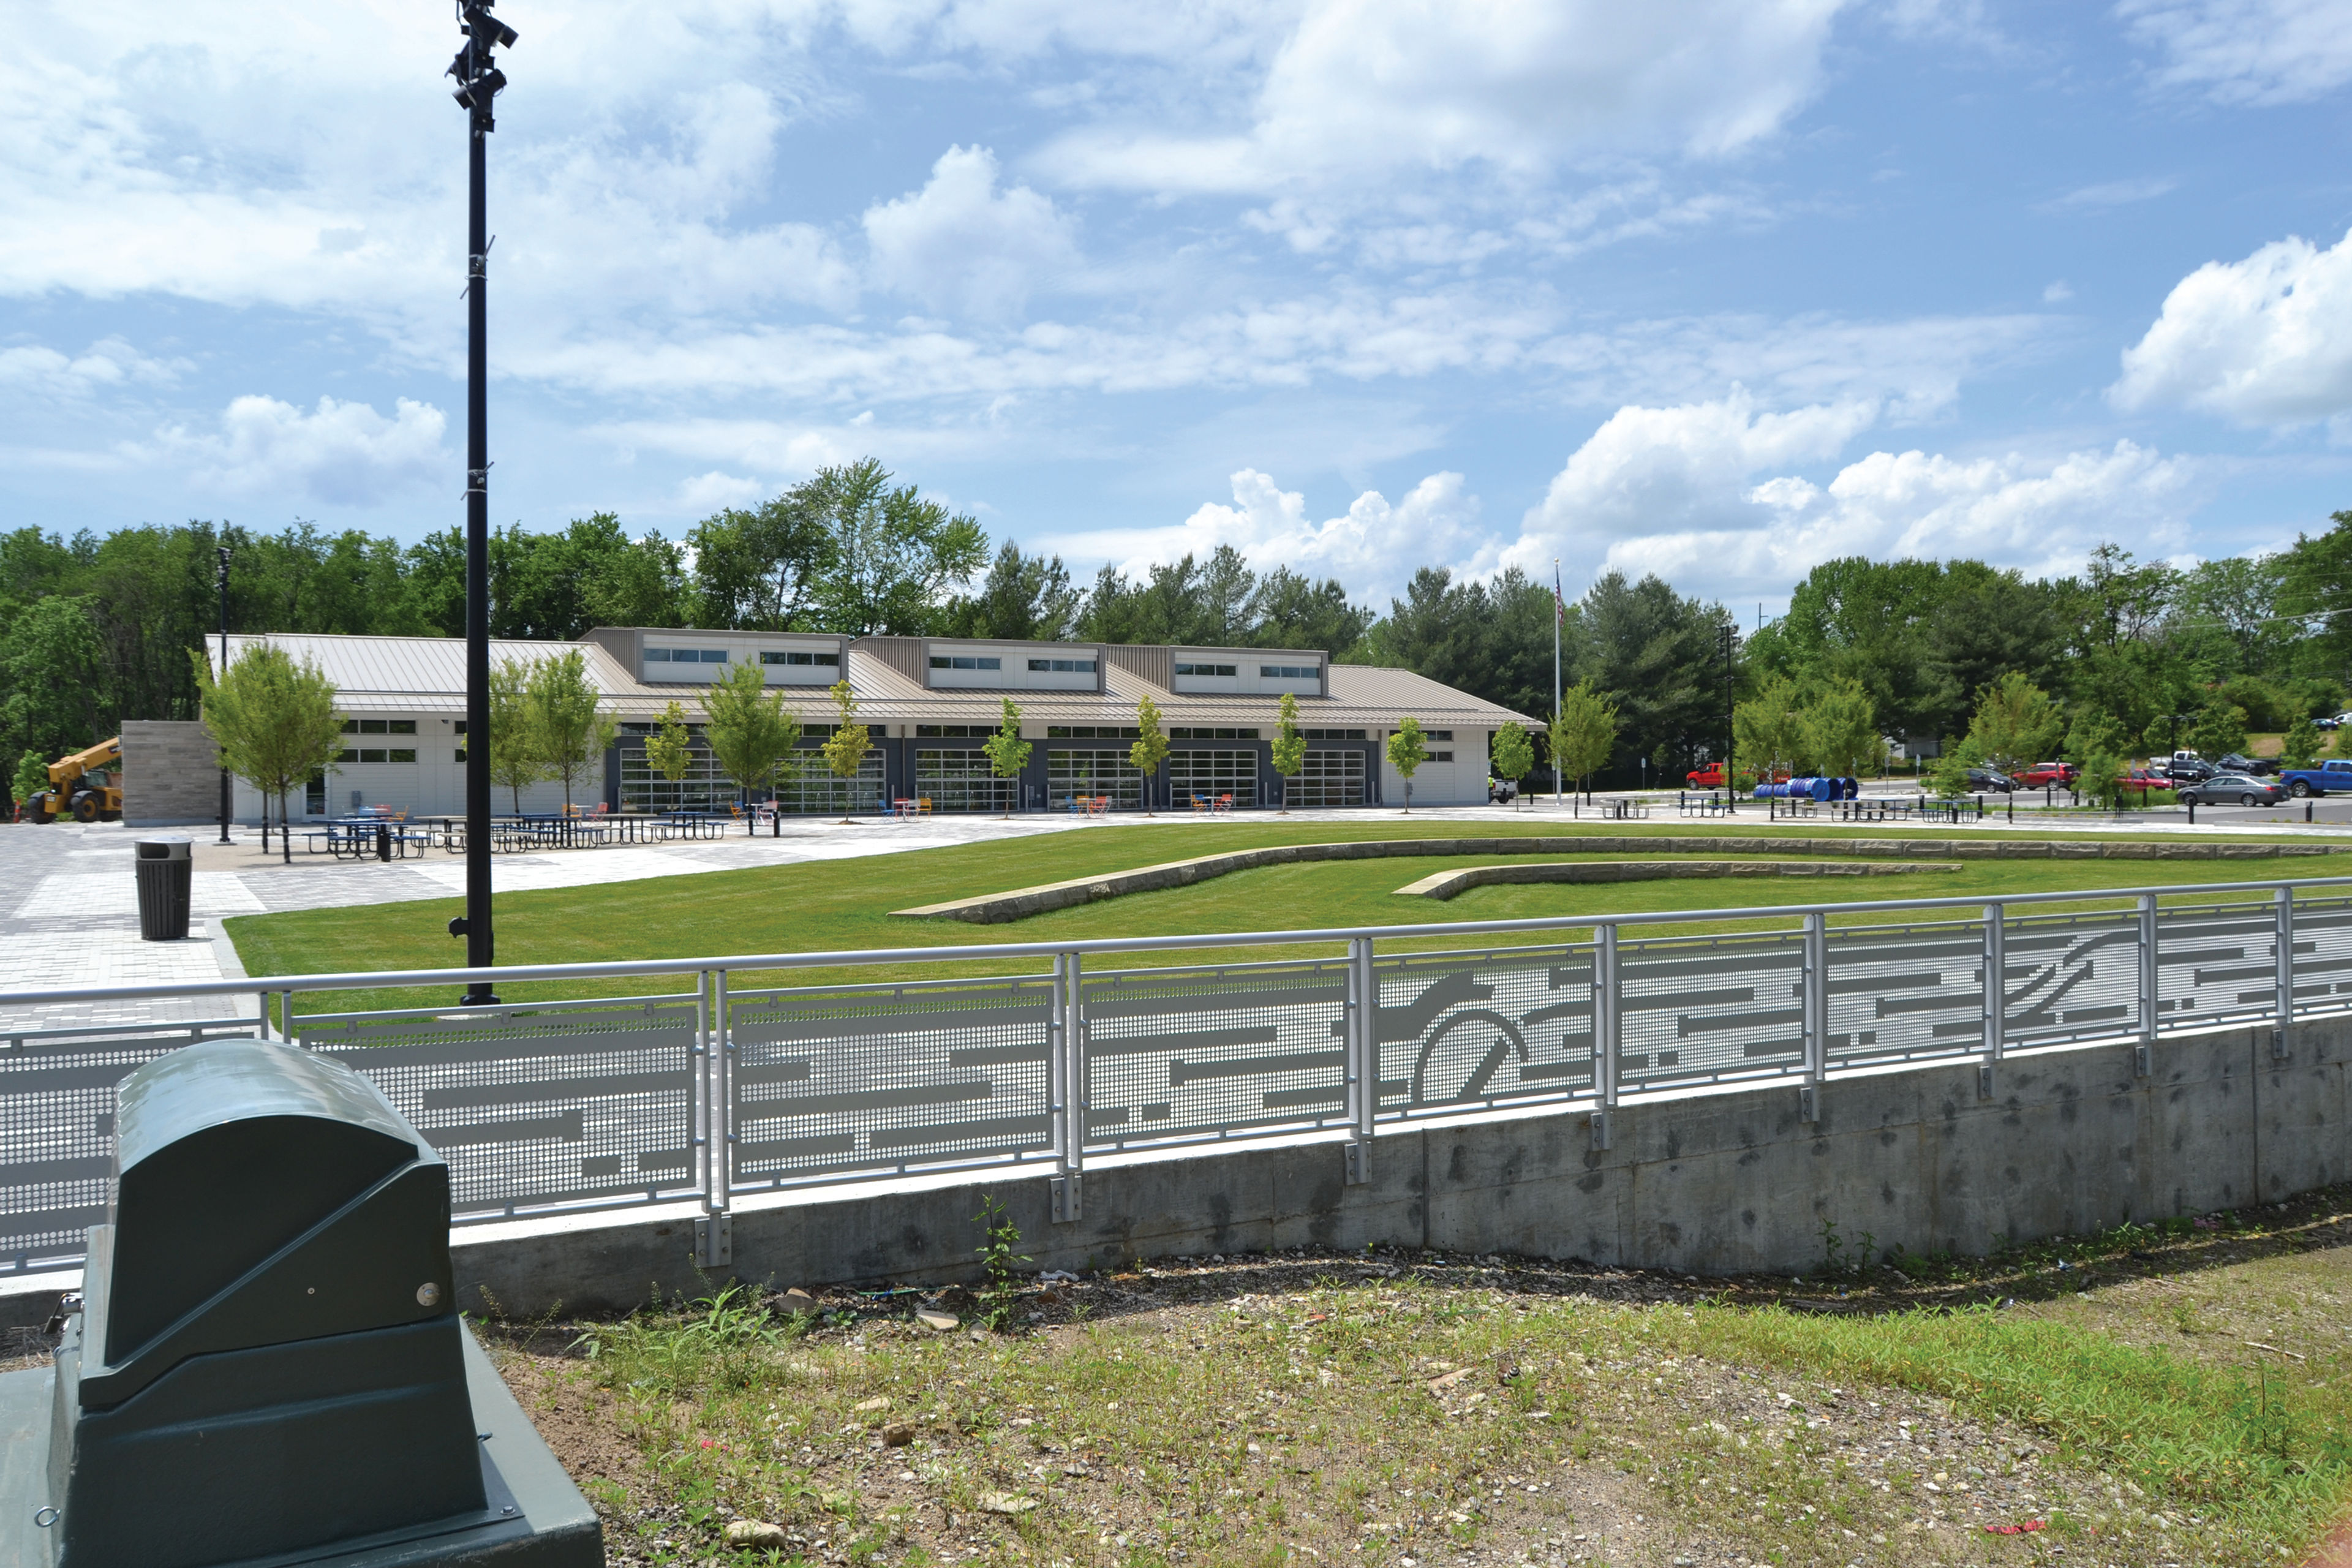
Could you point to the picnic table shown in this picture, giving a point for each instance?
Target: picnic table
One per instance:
(383, 837)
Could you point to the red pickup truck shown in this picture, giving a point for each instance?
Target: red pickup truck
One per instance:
(2041, 774)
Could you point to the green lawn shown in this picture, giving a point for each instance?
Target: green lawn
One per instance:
(845, 904)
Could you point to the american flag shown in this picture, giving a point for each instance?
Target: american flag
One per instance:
(1558, 603)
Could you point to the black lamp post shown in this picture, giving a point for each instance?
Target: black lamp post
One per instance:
(220, 578)
(1727, 644)
(478, 82)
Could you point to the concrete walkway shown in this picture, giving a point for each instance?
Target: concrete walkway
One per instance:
(68, 906)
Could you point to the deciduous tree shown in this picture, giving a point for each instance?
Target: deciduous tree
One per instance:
(274, 723)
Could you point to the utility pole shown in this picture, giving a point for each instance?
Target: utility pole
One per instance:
(220, 579)
(1559, 613)
(478, 82)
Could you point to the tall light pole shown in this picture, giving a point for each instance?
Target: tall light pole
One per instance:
(478, 82)
(220, 578)
(1559, 615)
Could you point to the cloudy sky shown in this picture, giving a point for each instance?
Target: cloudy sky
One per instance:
(1715, 288)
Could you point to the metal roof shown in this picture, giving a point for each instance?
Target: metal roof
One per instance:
(427, 675)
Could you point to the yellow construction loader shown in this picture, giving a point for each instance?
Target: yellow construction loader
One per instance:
(82, 786)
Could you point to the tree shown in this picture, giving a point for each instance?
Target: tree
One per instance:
(1947, 775)
(2302, 746)
(1842, 732)
(53, 678)
(33, 777)
(846, 748)
(2016, 724)
(1513, 753)
(1290, 748)
(1024, 599)
(669, 750)
(758, 568)
(570, 732)
(1008, 753)
(1583, 732)
(749, 733)
(891, 556)
(515, 761)
(1407, 752)
(274, 723)
(1770, 730)
(1150, 748)
(2217, 730)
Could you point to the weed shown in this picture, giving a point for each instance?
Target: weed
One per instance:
(999, 1291)
(721, 1342)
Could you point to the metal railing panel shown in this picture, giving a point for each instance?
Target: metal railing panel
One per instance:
(1706, 1009)
(1217, 1051)
(2216, 964)
(536, 1106)
(1905, 992)
(1454, 1030)
(843, 1081)
(2070, 977)
(2323, 955)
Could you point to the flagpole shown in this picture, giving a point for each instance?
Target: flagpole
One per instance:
(1559, 613)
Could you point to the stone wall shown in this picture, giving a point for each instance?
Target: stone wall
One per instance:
(169, 777)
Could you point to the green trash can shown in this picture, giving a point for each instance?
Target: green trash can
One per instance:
(166, 877)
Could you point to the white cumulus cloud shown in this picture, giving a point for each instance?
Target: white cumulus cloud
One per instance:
(340, 454)
(2265, 341)
(960, 244)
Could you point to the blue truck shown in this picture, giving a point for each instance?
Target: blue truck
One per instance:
(2332, 775)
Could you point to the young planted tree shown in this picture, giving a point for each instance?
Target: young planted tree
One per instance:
(1770, 727)
(33, 777)
(1008, 753)
(669, 750)
(274, 722)
(1290, 748)
(515, 761)
(1407, 752)
(1513, 753)
(1150, 748)
(2302, 744)
(846, 748)
(2016, 724)
(1842, 729)
(569, 731)
(747, 729)
(1585, 732)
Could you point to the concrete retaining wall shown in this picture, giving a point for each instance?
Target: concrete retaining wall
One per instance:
(1446, 884)
(1733, 1181)
(168, 773)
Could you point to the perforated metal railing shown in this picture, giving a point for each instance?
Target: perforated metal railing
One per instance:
(702, 1094)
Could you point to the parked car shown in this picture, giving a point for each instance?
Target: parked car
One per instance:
(1502, 792)
(2187, 769)
(2236, 762)
(2145, 781)
(1986, 779)
(2234, 789)
(2336, 722)
(2044, 774)
(1711, 776)
(2331, 777)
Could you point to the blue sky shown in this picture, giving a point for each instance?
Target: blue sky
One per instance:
(1715, 288)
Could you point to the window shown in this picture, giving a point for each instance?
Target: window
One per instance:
(461, 726)
(685, 656)
(366, 756)
(963, 781)
(1179, 732)
(1333, 734)
(461, 753)
(1439, 757)
(1437, 734)
(1073, 773)
(1213, 774)
(657, 656)
(965, 662)
(1207, 669)
(381, 727)
(402, 755)
(944, 731)
(1092, 733)
(1064, 666)
(789, 656)
(1286, 672)
(1330, 778)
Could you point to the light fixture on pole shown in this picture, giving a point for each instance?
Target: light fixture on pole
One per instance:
(220, 578)
(478, 82)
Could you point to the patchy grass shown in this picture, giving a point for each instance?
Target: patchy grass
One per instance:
(2151, 1396)
(845, 904)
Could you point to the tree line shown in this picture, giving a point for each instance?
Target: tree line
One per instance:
(2133, 654)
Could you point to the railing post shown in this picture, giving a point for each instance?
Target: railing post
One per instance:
(1604, 1032)
(2283, 942)
(1816, 1014)
(1068, 1035)
(714, 1233)
(1996, 981)
(1363, 1060)
(2150, 997)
